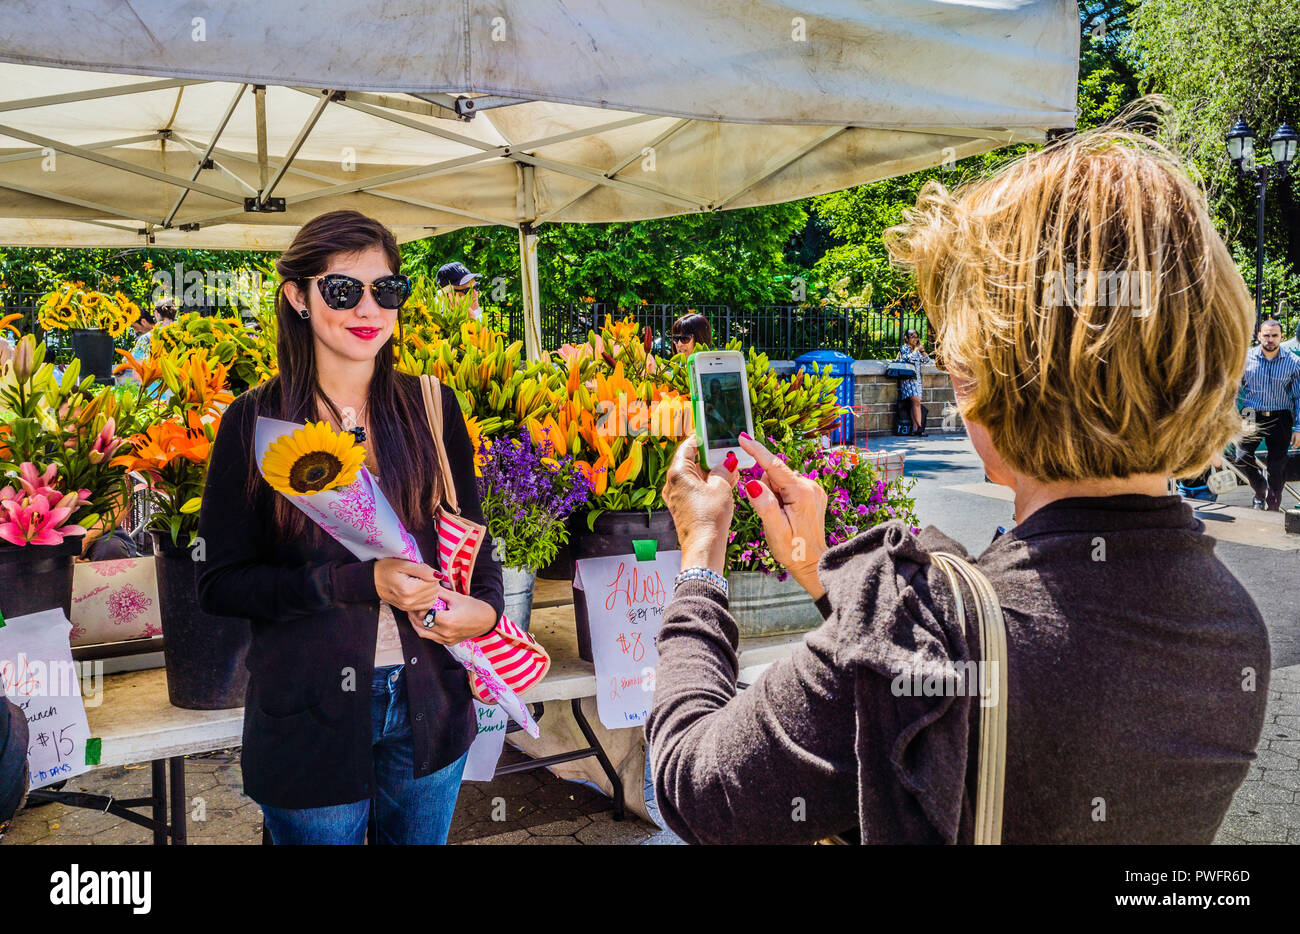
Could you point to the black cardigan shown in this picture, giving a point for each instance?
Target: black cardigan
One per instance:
(315, 618)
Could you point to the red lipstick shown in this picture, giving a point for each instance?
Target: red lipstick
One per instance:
(366, 334)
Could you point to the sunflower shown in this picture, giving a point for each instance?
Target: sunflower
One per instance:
(57, 317)
(311, 460)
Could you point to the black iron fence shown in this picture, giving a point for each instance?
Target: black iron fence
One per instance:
(783, 332)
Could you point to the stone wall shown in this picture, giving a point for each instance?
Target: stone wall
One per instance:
(879, 395)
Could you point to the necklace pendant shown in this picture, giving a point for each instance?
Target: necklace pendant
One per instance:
(359, 433)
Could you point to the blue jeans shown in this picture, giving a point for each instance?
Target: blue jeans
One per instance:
(407, 810)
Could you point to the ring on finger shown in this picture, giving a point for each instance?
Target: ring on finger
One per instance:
(429, 618)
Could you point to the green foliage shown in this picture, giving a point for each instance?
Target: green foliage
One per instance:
(248, 353)
(1217, 63)
(858, 217)
(39, 269)
(724, 257)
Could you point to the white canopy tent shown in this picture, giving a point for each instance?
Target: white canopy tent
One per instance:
(229, 123)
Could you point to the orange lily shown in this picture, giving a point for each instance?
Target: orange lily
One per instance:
(597, 473)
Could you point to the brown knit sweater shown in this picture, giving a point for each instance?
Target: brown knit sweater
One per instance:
(1131, 654)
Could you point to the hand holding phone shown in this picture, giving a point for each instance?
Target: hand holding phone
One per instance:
(720, 395)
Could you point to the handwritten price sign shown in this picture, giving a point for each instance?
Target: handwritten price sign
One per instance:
(37, 673)
(625, 606)
(485, 751)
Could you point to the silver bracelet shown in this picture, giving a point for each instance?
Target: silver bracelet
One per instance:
(702, 574)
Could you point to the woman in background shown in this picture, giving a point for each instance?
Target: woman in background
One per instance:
(910, 389)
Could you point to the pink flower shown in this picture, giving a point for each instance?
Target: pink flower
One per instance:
(105, 444)
(38, 484)
(34, 523)
(756, 472)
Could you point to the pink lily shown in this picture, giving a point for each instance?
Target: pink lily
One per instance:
(105, 444)
(38, 484)
(35, 523)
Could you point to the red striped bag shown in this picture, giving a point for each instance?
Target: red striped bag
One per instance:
(517, 657)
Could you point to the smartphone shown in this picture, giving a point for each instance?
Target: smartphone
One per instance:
(720, 394)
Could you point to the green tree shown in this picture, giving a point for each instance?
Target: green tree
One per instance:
(40, 269)
(731, 257)
(858, 217)
(1217, 63)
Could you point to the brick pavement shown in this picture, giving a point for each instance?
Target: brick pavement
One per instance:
(540, 809)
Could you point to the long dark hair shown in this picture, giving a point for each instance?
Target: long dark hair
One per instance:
(408, 471)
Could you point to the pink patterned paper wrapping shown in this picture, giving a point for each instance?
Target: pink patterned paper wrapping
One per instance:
(114, 601)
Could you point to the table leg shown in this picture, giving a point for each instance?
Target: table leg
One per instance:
(616, 783)
(623, 751)
(159, 771)
(180, 806)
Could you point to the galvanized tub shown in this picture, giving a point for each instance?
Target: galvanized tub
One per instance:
(518, 585)
(763, 605)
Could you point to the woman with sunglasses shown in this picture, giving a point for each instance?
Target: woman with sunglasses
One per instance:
(352, 703)
(691, 333)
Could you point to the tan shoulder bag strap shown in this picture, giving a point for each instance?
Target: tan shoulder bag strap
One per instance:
(992, 761)
(432, 391)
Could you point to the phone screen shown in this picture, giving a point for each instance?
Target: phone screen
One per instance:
(724, 408)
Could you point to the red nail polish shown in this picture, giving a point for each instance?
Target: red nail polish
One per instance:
(754, 489)
(731, 461)
(745, 435)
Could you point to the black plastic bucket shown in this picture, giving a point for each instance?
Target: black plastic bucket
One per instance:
(37, 577)
(204, 654)
(613, 535)
(94, 348)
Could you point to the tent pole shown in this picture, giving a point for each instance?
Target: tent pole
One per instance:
(532, 298)
(526, 211)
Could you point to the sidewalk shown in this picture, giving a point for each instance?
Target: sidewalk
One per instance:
(540, 809)
(1267, 806)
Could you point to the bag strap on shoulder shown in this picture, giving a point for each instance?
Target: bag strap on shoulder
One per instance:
(992, 761)
(431, 389)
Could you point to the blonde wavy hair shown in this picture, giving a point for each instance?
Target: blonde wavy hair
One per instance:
(1084, 298)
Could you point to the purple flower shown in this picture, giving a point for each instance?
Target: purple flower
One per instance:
(862, 510)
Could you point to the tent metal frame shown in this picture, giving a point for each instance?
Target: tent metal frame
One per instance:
(401, 110)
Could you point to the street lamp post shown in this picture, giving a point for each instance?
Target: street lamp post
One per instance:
(1241, 150)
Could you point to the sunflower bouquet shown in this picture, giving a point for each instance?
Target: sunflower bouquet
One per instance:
(72, 305)
(322, 472)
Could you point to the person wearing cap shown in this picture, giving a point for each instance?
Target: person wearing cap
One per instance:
(457, 282)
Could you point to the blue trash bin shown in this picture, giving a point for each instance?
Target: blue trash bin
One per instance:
(841, 365)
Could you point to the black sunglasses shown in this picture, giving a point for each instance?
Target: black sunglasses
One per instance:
(682, 338)
(342, 292)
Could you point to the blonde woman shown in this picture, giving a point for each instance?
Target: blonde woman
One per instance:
(1137, 664)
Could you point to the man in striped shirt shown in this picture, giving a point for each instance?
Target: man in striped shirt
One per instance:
(1270, 397)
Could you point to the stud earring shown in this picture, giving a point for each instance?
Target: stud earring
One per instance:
(304, 313)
